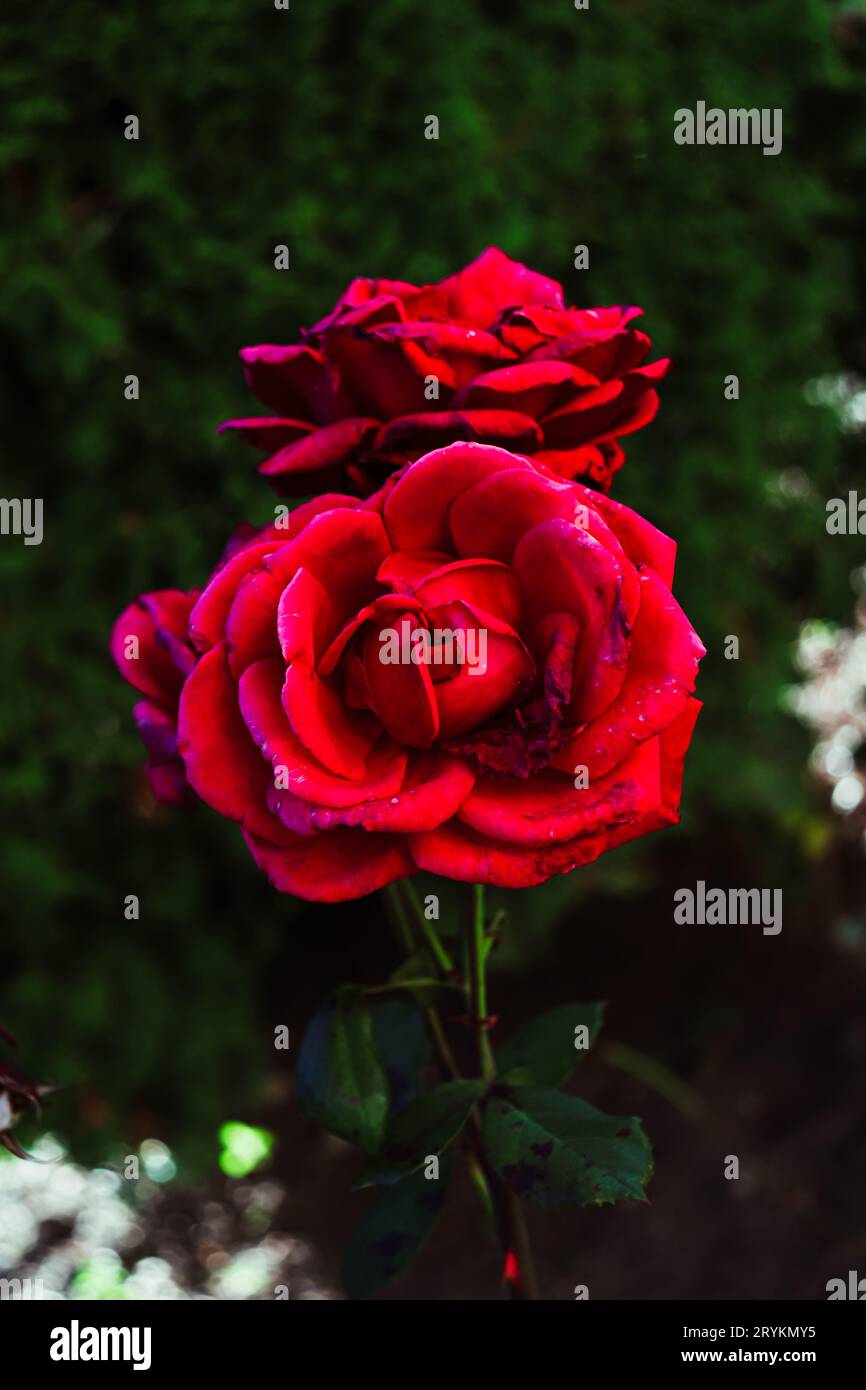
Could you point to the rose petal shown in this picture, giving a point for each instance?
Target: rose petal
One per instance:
(577, 330)
(294, 381)
(405, 569)
(401, 692)
(563, 569)
(593, 464)
(457, 852)
(267, 432)
(417, 508)
(501, 671)
(164, 767)
(410, 436)
(207, 620)
(343, 549)
(485, 584)
(380, 308)
(597, 415)
(288, 523)
(336, 867)
(642, 542)
(376, 376)
(548, 809)
(674, 744)
(448, 351)
(619, 353)
(360, 292)
(305, 619)
(433, 791)
(490, 517)
(158, 729)
(222, 763)
(558, 636)
(381, 610)
(341, 739)
(260, 700)
(492, 283)
(324, 452)
(535, 388)
(159, 622)
(169, 785)
(663, 665)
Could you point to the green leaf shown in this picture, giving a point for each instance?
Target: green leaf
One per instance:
(393, 1229)
(419, 967)
(404, 1046)
(559, 1151)
(342, 1082)
(425, 1127)
(544, 1052)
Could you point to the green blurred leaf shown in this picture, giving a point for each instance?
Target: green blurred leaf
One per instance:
(425, 1127)
(404, 1046)
(545, 1051)
(244, 1147)
(557, 1150)
(342, 1081)
(393, 1229)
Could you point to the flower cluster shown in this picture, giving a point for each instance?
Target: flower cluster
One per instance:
(475, 667)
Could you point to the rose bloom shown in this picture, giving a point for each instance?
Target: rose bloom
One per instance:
(490, 355)
(278, 692)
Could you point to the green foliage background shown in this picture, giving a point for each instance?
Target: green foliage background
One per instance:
(156, 257)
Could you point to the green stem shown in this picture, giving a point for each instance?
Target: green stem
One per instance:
(406, 939)
(399, 920)
(522, 1248)
(479, 1177)
(440, 1042)
(513, 1235)
(431, 936)
(477, 983)
(500, 1203)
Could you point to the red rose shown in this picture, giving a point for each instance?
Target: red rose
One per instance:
(479, 671)
(489, 355)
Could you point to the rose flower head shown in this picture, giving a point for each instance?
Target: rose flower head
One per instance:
(490, 355)
(479, 671)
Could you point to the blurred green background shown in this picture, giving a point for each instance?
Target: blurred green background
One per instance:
(156, 257)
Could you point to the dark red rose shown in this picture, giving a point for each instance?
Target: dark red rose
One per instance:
(509, 365)
(350, 764)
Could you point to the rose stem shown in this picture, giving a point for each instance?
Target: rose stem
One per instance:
(480, 1174)
(514, 1235)
(478, 986)
(406, 939)
(440, 955)
(399, 920)
(500, 1205)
